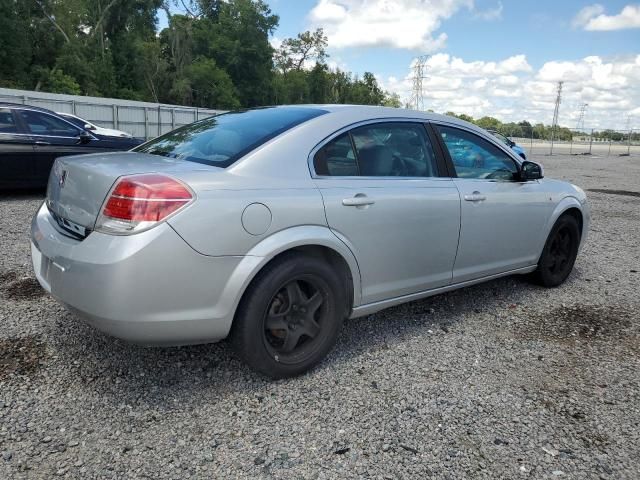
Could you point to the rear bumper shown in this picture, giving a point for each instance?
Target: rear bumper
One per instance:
(149, 288)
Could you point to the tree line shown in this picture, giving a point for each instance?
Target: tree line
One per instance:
(539, 131)
(215, 54)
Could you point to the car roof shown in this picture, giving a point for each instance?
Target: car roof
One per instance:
(368, 112)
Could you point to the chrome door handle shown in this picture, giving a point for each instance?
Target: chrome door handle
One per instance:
(41, 143)
(475, 197)
(358, 201)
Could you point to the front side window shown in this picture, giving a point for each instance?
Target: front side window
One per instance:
(221, 140)
(392, 149)
(474, 157)
(44, 124)
(7, 122)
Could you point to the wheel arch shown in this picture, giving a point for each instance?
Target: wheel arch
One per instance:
(311, 240)
(567, 206)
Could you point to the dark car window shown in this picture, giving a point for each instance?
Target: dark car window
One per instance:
(78, 122)
(474, 157)
(382, 150)
(7, 122)
(394, 150)
(44, 124)
(336, 158)
(223, 139)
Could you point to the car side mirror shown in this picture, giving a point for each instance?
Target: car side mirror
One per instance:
(531, 171)
(85, 137)
(89, 127)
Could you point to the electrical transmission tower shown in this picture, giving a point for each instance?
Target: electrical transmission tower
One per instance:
(554, 124)
(419, 69)
(580, 126)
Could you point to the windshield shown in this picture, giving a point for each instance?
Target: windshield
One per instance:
(223, 139)
(78, 122)
(502, 138)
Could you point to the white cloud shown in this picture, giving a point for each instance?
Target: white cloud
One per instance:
(407, 24)
(275, 42)
(512, 90)
(593, 18)
(491, 13)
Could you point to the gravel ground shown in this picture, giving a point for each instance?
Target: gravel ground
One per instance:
(502, 380)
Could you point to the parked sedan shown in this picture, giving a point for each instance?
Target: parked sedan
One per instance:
(31, 138)
(510, 143)
(87, 125)
(272, 225)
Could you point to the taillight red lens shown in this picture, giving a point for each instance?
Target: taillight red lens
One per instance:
(146, 198)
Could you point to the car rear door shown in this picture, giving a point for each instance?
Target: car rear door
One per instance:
(503, 218)
(53, 137)
(16, 152)
(386, 198)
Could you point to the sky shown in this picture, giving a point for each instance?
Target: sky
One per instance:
(501, 58)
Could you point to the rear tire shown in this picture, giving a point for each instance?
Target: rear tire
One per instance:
(559, 253)
(290, 316)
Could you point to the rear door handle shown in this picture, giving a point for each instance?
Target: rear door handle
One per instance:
(475, 197)
(360, 200)
(41, 143)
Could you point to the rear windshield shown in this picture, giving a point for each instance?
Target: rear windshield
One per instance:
(223, 139)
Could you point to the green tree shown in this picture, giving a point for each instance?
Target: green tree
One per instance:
(210, 85)
(306, 47)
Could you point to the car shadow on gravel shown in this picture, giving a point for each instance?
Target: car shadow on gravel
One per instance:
(440, 312)
(156, 376)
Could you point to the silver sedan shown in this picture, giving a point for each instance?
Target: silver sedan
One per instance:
(270, 226)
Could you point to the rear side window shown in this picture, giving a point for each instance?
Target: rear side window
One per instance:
(393, 149)
(336, 158)
(7, 122)
(223, 139)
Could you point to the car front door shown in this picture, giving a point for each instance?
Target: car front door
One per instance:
(503, 218)
(386, 197)
(16, 152)
(53, 137)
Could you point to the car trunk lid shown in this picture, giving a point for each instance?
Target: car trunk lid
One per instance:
(78, 185)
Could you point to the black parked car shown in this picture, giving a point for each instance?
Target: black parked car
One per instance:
(31, 138)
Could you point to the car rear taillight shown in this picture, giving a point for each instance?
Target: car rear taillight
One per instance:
(139, 202)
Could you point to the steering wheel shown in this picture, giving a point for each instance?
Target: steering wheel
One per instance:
(400, 168)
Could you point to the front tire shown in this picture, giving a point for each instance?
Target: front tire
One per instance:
(290, 316)
(560, 252)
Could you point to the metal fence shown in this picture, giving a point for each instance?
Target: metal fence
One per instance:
(140, 119)
(599, 142)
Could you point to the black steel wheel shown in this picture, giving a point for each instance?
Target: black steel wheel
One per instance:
(559, 254)
(290, 316)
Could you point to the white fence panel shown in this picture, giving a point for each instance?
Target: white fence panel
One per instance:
(140, 119)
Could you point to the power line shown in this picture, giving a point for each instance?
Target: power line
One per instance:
(419, 69)
(554, 124)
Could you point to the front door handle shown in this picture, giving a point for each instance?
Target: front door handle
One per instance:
(359, 200)
(475, 197)
(41, 143)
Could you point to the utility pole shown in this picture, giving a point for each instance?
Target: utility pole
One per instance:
(580, 125)
(629, 138)
(419, 69)
(555, 115)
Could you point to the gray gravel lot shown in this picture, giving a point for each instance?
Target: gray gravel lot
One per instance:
(502, 380)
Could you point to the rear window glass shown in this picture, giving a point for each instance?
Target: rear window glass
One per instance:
(223, 139)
